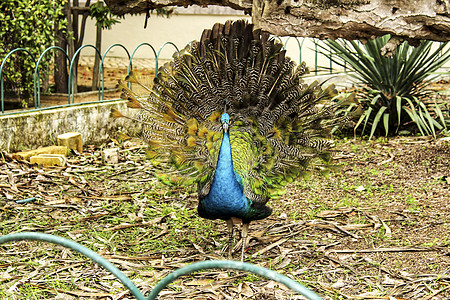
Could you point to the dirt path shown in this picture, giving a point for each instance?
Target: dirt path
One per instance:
(377, 229)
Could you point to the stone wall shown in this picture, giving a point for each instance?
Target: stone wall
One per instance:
(34, 129)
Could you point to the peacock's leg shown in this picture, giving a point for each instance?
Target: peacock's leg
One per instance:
(244, 235)
(230, 227)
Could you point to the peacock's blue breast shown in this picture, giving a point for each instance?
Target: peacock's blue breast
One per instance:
(225, 199)
(226, 196)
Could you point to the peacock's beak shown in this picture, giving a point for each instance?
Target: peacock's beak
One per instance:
(225, 127)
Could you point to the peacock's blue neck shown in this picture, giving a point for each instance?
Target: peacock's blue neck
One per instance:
(226, 196)
(225, 169)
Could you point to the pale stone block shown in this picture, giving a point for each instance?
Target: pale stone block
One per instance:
(49, 160)
(72, 140)
(25, 155)
(111, 156)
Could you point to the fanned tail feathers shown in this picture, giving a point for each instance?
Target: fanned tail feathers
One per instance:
(279, 125)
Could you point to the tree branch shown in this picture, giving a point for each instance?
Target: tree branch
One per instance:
(350, 19)
(120, 7)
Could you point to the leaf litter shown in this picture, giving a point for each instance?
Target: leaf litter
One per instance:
(377, 229)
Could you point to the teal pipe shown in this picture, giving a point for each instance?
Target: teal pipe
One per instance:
(37, 236)
(235, 265)
(203, 265)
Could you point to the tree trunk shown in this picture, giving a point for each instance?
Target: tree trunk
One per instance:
(77, 32)
(349, 19)
(45, 80)
(60, 72)
(98, 45)
(71, 31)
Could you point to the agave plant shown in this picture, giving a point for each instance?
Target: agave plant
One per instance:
(393, 92)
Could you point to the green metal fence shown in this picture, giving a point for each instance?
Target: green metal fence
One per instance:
(72, 73)
(101, 76)
(318, 61)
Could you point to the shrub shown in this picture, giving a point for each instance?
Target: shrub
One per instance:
(27, 24)
(393, 92)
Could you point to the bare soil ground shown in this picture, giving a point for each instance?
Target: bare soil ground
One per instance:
(378, 228)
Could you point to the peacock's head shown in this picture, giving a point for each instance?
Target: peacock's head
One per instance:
(225, 119)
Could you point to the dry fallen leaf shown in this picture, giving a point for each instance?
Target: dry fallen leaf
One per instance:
(360, 188)
(338, 284)
(329, 214)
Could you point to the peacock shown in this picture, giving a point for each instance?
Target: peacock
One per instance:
(231, 115)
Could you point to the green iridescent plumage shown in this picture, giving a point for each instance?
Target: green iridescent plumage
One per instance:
(278, 125)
